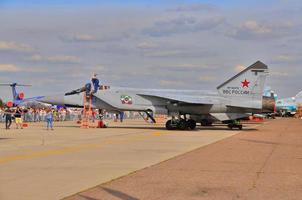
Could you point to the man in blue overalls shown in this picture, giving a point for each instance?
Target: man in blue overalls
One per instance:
(92, 88)
(95, 83)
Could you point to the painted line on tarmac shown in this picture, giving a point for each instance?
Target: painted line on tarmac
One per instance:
(73, 149)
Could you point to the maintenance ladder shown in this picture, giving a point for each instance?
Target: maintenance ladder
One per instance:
(87, 111)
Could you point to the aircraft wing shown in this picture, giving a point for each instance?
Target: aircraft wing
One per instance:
(185, 99)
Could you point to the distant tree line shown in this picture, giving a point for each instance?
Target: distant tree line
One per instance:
(1, 103)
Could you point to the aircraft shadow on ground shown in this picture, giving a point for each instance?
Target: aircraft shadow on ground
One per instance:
(222, 128)
(67, 126)
(115, 193)
(135, 127)
(261, 141)
(217, 127)
(5, 138)
(225, 129)
(119, 194)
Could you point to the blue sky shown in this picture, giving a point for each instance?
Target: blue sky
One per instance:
(57, 45)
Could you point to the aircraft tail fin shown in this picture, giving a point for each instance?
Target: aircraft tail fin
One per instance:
(14, 90)
(299, 95)
(246, 88)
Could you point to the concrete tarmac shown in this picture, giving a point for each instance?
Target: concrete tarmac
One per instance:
(40, 164)
(253, 165)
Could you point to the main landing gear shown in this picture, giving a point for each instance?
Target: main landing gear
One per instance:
(180, 124)
(205, 122)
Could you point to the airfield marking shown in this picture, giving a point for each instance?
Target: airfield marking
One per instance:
(41, 154)
(157, 134)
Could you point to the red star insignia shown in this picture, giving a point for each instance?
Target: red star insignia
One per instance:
(245, 83)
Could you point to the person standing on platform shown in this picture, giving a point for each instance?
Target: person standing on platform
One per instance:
(95, 83)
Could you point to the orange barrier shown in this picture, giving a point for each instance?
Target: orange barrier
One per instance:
(255, 119)
(299, 112)
(87, 112)
(160, 118)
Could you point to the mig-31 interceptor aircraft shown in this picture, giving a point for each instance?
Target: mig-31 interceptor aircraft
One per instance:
(234, 99)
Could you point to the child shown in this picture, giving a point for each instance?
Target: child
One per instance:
(49, 119)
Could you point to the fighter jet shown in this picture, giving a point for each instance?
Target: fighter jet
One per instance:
(234, 99)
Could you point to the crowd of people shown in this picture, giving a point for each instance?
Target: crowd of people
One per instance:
(37, 115)
(21, 115)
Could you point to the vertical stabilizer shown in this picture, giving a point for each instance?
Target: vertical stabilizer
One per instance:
(14, 91)
(246, 88)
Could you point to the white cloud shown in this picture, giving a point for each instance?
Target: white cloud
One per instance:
(55, 59)
(257, 28)
(239, 68)
(9, 68)
(14, 68)
(171, 83)
(104, 37)
(13, 46)
(253, 29)
(279, 74)
(187, 68)
(207, 78)
(84, 37)
(147, 45)
(62, 58)
(79, 38)
(165, 53)
(183, 24)
(286, 58)
(195, 8)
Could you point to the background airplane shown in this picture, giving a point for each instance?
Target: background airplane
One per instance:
(269, 103)
(234, 99)
(288, 106)
(18, 99)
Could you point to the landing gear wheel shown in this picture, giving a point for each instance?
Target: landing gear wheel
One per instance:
(191, 124)
(182, 125)
(231, 126)
(209, 124)
(206, 123)
(169, 125)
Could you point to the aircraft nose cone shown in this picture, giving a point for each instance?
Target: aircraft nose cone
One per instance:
(54, 99)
